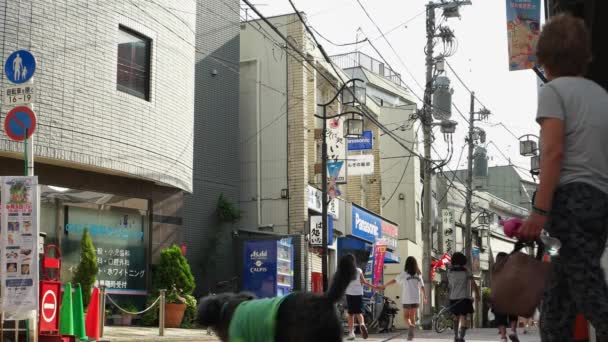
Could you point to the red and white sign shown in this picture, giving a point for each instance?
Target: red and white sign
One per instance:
(49, 306)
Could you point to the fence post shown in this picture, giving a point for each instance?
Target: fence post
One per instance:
(161, 314)
(102, 307)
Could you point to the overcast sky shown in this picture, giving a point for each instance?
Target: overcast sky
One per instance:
(481, 59)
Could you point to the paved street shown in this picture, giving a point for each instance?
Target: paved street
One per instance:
(480, 335)
(132, 334)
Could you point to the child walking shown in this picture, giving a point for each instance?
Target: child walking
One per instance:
(354, 300)
(460, 281)
(411, 287)
(504, 320)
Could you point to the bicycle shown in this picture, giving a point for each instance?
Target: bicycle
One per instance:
(443, 320)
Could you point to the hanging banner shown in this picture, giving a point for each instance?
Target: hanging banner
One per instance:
(334, 171)
(523, 29)
(336, 148)
(19, 246)
(476, 262)
(374, 270)
(316, 230)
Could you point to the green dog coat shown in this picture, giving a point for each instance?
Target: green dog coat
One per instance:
(255, 320)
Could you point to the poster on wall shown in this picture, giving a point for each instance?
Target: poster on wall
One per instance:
(523, 30)
(19, 246)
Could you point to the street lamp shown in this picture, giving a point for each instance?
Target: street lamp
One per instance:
(353, 96)
(529, 148)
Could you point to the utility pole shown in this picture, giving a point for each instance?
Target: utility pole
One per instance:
(427, 127)
(468, 205)
(450, 10)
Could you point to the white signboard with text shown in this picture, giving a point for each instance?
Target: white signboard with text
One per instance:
(315, 204)
(316, 230)
(361, 165)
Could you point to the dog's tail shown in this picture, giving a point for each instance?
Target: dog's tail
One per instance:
(345, 273)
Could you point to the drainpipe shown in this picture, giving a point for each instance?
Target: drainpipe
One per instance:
(258, 142)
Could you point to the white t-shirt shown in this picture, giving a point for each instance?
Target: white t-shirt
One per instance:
(410, 288)
(355, 288)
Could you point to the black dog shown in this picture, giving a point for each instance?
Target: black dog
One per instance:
(301, 317)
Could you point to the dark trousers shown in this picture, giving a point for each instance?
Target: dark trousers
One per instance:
(579, 219)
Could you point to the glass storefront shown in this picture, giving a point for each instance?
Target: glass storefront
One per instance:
(119, 228)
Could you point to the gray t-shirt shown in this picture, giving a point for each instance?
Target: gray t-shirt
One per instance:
(583, 106)
(459, 282)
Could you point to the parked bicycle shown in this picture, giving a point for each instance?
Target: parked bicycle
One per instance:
(443, 320)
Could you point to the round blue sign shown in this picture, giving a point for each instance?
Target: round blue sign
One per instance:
(20, 66)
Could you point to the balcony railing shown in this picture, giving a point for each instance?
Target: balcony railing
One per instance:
(359, 59)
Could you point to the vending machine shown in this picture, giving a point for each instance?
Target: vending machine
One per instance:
(268, 267)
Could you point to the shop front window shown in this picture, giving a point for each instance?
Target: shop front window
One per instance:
(119, 229)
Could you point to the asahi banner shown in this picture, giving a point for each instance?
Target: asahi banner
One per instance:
(523, 29)
(19, 246)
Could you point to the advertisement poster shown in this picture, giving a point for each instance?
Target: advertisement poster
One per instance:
(335, 177)
(523, 29)
(374, 270)
(336, 148)
(476, 262)
(19, 246)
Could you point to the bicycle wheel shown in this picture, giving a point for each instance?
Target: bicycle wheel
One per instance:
(442, 323)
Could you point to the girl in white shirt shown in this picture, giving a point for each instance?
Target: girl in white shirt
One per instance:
(411, 288)
(354, 300)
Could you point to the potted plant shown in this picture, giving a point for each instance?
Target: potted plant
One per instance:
(174, 274)
(87, 269)
(125, 319)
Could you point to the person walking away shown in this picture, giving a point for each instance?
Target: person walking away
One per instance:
(354, 301)
(460, 282)
(572, 198)
(504, 320)
(411, 287)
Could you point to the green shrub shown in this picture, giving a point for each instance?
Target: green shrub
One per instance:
(87, 269)
(173, 274)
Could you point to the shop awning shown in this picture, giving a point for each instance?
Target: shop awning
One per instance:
(354, 244)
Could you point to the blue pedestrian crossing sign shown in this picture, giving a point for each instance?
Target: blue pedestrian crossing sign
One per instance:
(20, 66)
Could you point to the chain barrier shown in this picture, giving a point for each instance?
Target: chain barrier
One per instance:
(133, 313)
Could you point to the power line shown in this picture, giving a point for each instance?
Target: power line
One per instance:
(389, 43)
(336, 44)
(400, 25)
(402, 176)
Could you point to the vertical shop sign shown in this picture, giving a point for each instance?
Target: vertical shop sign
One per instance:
(19, 246)
(523, 30)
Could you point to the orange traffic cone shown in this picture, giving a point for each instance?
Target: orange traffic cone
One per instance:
(92, 319)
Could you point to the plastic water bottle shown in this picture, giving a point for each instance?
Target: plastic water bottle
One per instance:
(552, 245)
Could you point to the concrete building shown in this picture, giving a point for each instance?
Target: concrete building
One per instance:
(281, 148)
(400, 200)
(215, 140)
(113, 149)
(507, 182)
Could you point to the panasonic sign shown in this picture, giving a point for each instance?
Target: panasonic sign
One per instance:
(365, 225)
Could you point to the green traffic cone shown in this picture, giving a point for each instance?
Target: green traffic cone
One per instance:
(66, 320)
(79, 331)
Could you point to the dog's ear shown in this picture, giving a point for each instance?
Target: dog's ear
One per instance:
(210, 309)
